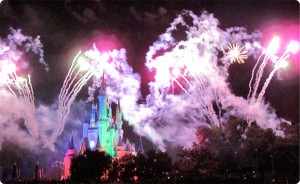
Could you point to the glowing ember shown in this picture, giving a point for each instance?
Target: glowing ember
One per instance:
(293, 47)
(274, 45)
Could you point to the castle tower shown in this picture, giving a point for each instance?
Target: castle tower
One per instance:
(68, 158)
(119, 124)
(106, 130)
(98, 145)
(101, 132)
(102, 100)
(16, 172)
(141, 148)
(93, 127)
(84, 145)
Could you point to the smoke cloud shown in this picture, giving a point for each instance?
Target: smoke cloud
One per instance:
(205, 97)
(198, 95)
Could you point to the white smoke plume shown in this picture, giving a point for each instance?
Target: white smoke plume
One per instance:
(17, 97)
(9, 47)
(205, 97)
(178, 103)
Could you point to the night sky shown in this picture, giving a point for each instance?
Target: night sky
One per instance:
(67, 26)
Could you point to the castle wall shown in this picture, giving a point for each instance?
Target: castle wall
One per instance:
(92, 136)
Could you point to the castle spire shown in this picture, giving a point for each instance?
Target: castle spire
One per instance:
(98, 145)
(116, 152)
(84, 145)
(103, 86)
(102, 99)
(71, 144)
(118, 113)
(141, 149)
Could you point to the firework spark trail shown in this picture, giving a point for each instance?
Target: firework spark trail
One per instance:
(259, 74)
(181, 87)
(12, 91)
(70, 88)
(268, 53)
(167, 116)
(205, 83)
(20, 88)
(189, 64)
(66, 83)
(68, 93)
(293, 47)
(268, 80)
(252, 76)
(25, 101)
(206, 77)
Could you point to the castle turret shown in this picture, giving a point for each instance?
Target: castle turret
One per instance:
(71, 146)
(119, 124)
(98, 145)
(15, 172)
(93, 115)
(102, 99)
(141, 148)
(68, 158)
(84, 145)
(106, 130)
(127, 146)
(85, 126)
(119, 114)
(116, 152)
(109, 112)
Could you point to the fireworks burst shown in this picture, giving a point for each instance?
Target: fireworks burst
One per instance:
(279, 63)
(91, 63)
(236, 53)
(70, 89)
(20, 87)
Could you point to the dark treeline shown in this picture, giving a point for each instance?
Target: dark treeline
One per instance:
(235, 153)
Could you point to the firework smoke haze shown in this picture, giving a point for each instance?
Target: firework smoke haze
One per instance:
(12, 50)
(200, 74)
(190, 87)
(207, 75)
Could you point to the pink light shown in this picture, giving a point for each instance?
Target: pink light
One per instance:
(273, 45)
(176, 72)
(106, 41)
(8, 67)
(3, 78)
(104, 56)
(284, 64)
(293, 47)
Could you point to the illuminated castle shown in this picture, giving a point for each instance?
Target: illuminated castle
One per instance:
(101, 132)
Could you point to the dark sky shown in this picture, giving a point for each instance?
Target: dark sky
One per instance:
(67, 26)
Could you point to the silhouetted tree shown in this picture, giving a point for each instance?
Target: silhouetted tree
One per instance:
(159, 164)
(90, 166)
(142, 168)
(284, 160)
(113, 174)
(127, 168)
(198, 162)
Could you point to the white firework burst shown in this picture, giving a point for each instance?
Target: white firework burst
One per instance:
(236, 53)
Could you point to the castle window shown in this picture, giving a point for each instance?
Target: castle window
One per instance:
(92, 144)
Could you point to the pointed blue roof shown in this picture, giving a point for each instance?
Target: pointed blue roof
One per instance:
(127, 147)
(71, 144)
(141, 148)
(98, 144)
(84, 145)
(116, 152)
